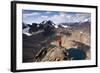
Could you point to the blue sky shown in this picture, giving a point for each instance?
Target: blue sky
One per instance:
(34, 16)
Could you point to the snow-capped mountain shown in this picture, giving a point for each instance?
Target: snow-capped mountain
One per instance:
(87, 20)
(44, 25)
(49, 22)
(48, 26)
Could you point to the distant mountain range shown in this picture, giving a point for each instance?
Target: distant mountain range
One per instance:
(49, 26)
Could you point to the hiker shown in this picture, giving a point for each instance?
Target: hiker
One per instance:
(59, 41)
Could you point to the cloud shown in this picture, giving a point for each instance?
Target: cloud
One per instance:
(81, 17)
(56, 17)
(48, 12)
(61, 18)
(31, 14)
(44, 17)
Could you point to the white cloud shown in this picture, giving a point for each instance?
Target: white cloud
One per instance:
(81, 17)
(31, 14)
(48, 12)
(61, 18)
(44, 17)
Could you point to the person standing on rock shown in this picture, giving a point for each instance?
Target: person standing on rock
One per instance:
(59, 40)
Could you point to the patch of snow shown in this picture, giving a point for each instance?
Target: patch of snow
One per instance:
(64, 26)
(38, 25)
(56, 26)
(26, 31)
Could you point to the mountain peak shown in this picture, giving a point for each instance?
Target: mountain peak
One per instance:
(46, 21)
